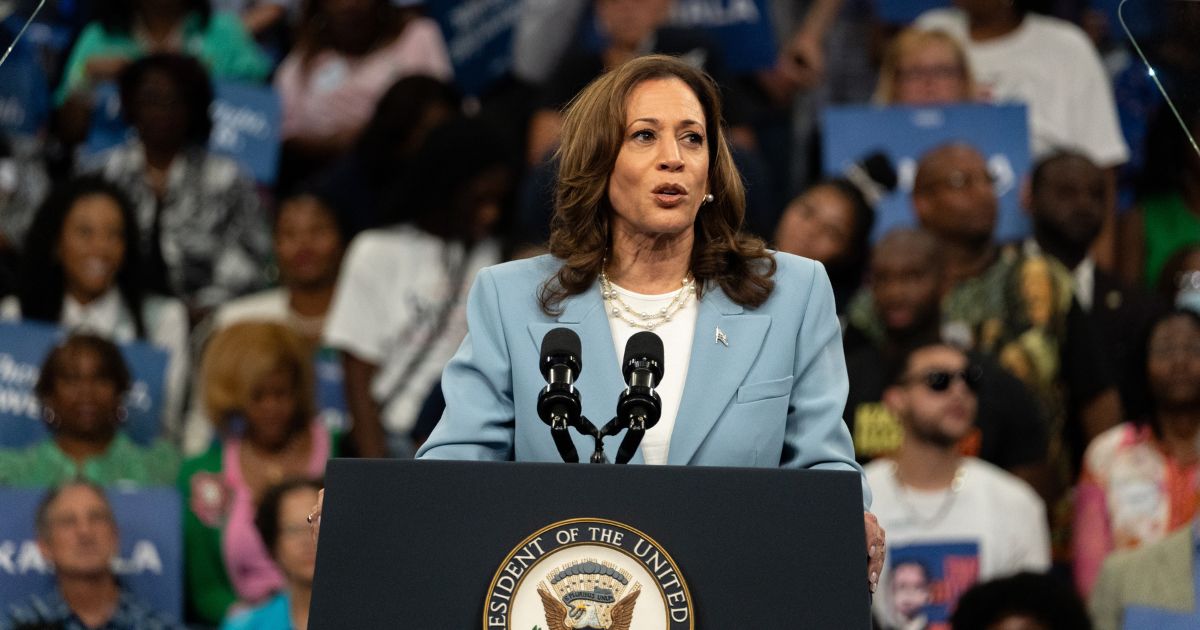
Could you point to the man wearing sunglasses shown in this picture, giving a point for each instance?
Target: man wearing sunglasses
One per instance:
(962, 518)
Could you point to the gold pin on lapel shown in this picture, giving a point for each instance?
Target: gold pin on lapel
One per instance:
(721, 338)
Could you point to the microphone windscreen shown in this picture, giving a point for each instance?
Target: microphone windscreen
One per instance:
(643, 345)
(564, 344)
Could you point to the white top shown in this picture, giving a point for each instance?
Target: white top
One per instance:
(994, 526)
(677, 336)
(1050, 65)
(270, 305)
(166, 324)
(392, 292)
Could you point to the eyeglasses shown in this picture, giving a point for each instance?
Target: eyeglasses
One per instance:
(940, 380)
(959, 180)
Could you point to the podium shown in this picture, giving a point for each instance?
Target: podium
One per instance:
(447, 545)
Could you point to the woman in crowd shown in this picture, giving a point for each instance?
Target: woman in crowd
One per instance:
(82, 270)
(445, 213)
(125, 30)
(347, 54)
(358, 184)
(258, 392)
(922, 67)
(80, 388)
(831, 223)
(1139, 478)
(203, 233)
(1167, 216)
(280, 522)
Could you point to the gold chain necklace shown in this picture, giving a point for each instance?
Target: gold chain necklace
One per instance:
(949, 495)
(642, 319)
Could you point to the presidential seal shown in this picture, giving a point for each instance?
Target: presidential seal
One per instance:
(588, 574)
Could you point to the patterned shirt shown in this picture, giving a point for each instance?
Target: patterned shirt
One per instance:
(51, 611)
(213, 237)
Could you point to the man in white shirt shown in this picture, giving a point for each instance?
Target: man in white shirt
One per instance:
(951, 520)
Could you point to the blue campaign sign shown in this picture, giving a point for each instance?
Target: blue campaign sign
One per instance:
(23, 347)
(741, 27)
(478, 35)
(150, 562)
(905, 11)
(904, 134)
(331, 391)
(246, 121)
(24, 96)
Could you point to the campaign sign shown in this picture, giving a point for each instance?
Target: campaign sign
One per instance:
(331, 391)
(478, 36)
(741, 27)
(23, 348)
(903, 12)
(904, 134)
(24, 96)
(246, 126)
(246, 120)
(150, 562)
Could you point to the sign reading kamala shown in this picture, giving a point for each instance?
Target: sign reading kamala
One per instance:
(479, 38)
(742, 28)
(588, 573)
(904, 134)
(150, 562)
(23, 347)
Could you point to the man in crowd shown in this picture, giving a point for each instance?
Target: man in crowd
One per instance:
(1068, 201)
(905, 280)
(962, 519)
(77, 535)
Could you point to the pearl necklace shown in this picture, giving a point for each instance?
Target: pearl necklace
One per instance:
(641, 319)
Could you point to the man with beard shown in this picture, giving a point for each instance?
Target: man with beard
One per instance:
(965, 519)
(905, 277)
(1068, 203)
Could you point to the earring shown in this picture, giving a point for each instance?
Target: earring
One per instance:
(48, 416)
(708, 198)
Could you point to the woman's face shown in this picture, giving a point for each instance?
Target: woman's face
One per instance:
(308, 244)
(818, 225)
(295, 551)
(661, 173)
(85, 401)
(1174, 363)
(161, 116)
(483, 199)
(271, 411)
(91, 247)
(930, 75)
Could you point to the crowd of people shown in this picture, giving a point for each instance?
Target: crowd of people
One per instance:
(1027, 411)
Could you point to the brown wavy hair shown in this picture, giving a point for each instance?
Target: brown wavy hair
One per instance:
(592, 135)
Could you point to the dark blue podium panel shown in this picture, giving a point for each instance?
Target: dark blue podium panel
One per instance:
(441, 545)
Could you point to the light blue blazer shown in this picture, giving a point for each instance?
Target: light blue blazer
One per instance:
(772, 397)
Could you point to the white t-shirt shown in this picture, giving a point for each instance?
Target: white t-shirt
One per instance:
(677, 336)
(393, 290)
(1051, 66)
(943, 542)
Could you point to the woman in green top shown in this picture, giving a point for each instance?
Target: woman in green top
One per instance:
(125, 30)
(80, 387)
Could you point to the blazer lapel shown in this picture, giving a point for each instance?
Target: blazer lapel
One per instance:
(600, 381)
(715, 370)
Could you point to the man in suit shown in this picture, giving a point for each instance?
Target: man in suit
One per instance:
(1068, 200)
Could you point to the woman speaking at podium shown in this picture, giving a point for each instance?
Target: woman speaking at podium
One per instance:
(645, 236)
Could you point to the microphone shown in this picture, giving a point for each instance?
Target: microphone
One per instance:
(639, 406)
(558, 403)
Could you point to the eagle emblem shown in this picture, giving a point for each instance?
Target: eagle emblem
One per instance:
(587, 595)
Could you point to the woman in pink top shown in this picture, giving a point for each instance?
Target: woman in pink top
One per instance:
(1140, 478)
(347, 53)
(258, 391)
